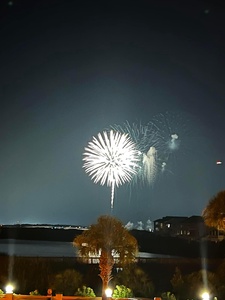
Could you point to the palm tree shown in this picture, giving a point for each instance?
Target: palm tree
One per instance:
(214, 213)
(109, 240)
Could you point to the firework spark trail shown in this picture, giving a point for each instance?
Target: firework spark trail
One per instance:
(112, 159)
(146, 138)
(149, 165)
(142, 135)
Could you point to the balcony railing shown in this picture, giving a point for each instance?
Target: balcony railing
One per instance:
(47, 297)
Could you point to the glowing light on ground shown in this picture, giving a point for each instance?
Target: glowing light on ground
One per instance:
(108, 293)
(205, 296)
(9, 289)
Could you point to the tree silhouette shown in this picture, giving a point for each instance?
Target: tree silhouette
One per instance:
(66, 282)
(214, 213)
(111, 242)
(178, 285)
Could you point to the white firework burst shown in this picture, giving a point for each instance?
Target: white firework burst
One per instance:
(112, 159)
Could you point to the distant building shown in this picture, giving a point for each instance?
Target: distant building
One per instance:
(192, 228)
(215, 235)
(169, 225)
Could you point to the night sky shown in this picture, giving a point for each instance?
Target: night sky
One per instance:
(70, 69)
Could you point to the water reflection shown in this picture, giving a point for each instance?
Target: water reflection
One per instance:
(49, 249)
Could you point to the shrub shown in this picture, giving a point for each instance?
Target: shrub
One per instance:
(34, 293)
(168, 296)
(1, 292)
(85, 292)
(121, 291)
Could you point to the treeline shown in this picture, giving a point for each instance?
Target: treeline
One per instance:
(38, 234)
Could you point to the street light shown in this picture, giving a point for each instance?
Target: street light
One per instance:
(9, 289)
(205, 296)
(108, 293)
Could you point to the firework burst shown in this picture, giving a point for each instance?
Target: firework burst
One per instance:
(145, 138)
(142, 135)
(111, 159)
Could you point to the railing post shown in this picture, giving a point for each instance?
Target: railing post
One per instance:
(9, 296)
(58, 296)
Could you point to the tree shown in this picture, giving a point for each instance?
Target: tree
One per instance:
(214, 213)
(199, 281)
(109, 240)
(178, 284)
(67, 282)
(137, 279)
(221, 279)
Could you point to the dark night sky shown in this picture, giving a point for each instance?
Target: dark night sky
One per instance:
(69, 69)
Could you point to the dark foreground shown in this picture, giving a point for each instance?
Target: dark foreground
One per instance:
(159, 270)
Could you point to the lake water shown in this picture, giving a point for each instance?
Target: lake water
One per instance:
(48, 249)
(37, 248)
